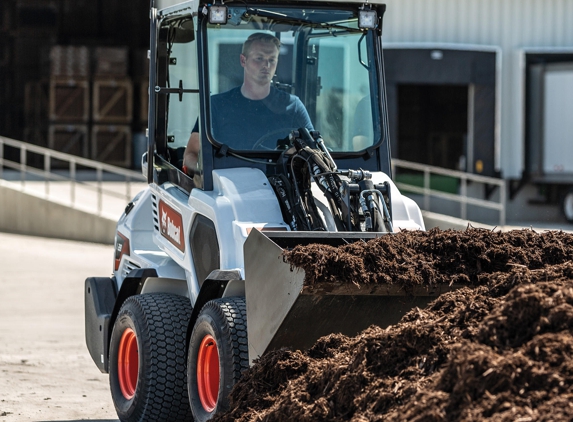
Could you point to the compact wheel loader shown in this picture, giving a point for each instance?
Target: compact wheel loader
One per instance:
(199, 288)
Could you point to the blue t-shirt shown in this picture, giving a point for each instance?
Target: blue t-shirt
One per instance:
(239, 122)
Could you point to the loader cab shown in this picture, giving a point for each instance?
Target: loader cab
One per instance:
(329, 61)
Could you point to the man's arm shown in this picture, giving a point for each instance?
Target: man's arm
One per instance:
(191, 155)
(302, 116)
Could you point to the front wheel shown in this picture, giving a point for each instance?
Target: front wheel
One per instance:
(147, 362)
(218, 353)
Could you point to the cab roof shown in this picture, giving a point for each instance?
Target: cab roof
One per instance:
(168, 7)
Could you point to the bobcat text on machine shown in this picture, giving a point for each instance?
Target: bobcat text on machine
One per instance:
(293, 149)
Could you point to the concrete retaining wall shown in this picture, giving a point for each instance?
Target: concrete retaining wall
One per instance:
(25, 213)
(445, 222)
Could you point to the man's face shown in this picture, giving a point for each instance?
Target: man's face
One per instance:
(260, 64)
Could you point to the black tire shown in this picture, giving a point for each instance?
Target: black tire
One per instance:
(221, 327)
(150, 328)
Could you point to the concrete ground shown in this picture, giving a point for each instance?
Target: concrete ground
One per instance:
(46, 372)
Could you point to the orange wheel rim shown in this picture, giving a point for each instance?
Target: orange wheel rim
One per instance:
(128, 363)
(208, 373)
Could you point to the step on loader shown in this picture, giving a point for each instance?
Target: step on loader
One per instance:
(268, 129)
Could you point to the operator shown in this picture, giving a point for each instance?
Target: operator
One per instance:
(245, 114)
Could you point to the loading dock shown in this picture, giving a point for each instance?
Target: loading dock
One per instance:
(443, 105)
(549, 127)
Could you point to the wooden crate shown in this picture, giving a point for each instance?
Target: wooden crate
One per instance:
(69, 61)
(69, 100)
(111, 61)
(112, 101)
(111, 144)
(71, 139)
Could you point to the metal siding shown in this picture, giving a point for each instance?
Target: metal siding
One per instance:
(509, 24)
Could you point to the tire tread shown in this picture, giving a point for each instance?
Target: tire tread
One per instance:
(164, 319)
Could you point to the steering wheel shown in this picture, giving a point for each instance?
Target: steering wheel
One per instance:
(272, 135)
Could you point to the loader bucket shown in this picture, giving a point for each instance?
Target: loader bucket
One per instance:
(283, 312)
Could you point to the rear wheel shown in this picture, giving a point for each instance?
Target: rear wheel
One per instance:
(218, 353)
(147, 362)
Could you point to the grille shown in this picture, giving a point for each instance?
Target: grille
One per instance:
(155, 212)
(128, 267)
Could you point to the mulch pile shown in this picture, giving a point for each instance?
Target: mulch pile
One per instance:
(500, 349)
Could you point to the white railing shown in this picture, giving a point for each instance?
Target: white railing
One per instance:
(99, 174)
(72, 174)
(462, 197)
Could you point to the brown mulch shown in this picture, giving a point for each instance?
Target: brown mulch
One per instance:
(500, 349)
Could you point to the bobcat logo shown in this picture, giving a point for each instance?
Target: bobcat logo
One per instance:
(169, 228)
(171, 225)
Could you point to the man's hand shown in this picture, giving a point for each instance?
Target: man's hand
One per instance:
(188, 172)
(191, 155)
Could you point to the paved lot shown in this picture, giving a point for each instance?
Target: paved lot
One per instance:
(46, 373)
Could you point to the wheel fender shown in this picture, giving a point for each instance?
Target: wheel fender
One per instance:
(213, 287)
(165, 285)
(99, 298)
(132, 285)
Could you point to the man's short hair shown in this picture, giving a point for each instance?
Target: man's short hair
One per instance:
(260, 37)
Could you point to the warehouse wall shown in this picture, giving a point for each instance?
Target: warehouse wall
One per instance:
(508, 24)
(54, 91)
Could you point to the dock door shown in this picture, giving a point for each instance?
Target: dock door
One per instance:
(442, 106)
(549, 127)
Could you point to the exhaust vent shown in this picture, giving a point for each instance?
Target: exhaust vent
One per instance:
(128, 267)
(155, 212)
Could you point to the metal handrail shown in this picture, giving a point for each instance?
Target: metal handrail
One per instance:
(462, 197)
(48, 175)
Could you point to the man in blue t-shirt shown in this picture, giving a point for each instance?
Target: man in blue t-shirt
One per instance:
(255, 113)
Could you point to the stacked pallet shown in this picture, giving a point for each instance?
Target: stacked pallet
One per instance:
(69, 99)
(112, 107)
(85, 104)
